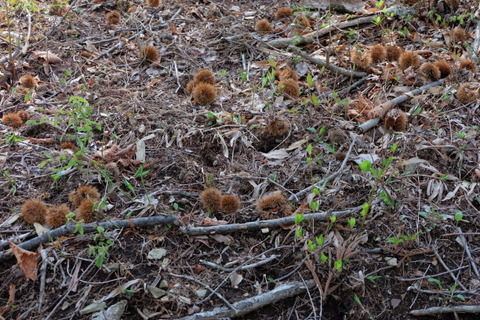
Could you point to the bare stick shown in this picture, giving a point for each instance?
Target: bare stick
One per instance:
(313, 36)
(476, 43)
(469, 254)
(248, 305)
(206, 286)
(438, 310)
(329, 178)
(323, 63)
(381, 110)
(43, 277)
(89, 228)
(255, 225)
(454, 277)
(249, 266)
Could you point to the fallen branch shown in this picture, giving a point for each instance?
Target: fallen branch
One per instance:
(323, 63)
(379, 111)
(313, 36)
(248, 305)
(89, 228)
(438, 310)
(255, 225)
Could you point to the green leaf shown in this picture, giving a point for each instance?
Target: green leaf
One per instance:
(373, 279)
(309, 148)
(436, 281)
(338, 265)
(351, 222)
(272, 63)
(320, 240)
(365, 166)
(357, 299)
(458, 216)
(299, 233)
(298, 218)
(310, 81)
(323, 258)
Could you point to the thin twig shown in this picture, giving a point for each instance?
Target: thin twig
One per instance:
(323, 63)
(249, 266)
(440, 310)
(454, 277)
(206, 286)
(329, 178)
(261, 224)
(379, 111)
(248, 305)
(469, 254)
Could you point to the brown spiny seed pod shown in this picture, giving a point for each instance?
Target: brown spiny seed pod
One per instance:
(263, 26)
(444, 67)
(211, 199)
(283, 12)
(288, 74)
(56, 216)
(86, 211)
(302, 21)
(467, 93)
(85, 192)
(113, 17)
(431, 71)
(362, 60)
(28, 81)
(205, 75)
(459, 35)
(409, 59)
(378, 53)
(190, 85)
(393, 53)
(12, 120)
(24, 115)
(273, 205)
(154, 3)
(204, 93)
(34, 211)
(230, 203)
(149, 53)
(289, 88)
(278, 127)
(68, 145)
(396, 119)
(468, 65)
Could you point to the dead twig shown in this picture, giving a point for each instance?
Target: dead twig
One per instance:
(378, 112)
(467, 250)
(248, 305)
(440, 310)
(329, 178)
(273, 223)
(324, 63)
(89, 228)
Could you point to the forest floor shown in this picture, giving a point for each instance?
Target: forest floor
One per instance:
(382, 219)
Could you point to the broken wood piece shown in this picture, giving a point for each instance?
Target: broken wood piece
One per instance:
(246, 306)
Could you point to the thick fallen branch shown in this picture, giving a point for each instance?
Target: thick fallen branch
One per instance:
(89, 228)
(254, 303)
(313, 36)
(438, 310)
(323, 63)
(380, 111)
(256, 225)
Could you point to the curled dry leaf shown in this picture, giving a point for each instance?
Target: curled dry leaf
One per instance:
(47, 56)
(27, 261)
